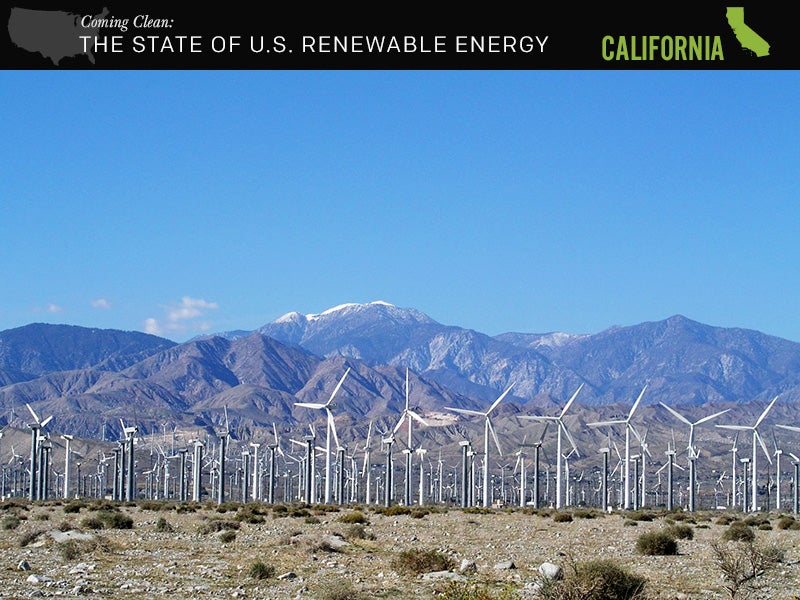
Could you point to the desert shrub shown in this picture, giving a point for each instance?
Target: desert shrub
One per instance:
(419, 513)
(215, 525)
(356, 531)
(755, 520)
(248, 516)
(92, 523)
(29, 537)
(227, 536)
(656, 543)
(562, 517)
(74, 549)
(338, 589)
(680, 532)
(279, 510)
(742, 564)
(738, 532)
(477, 510)
(787, 522)
(186, 508)
(227, 507)
(584, 513)
(630, 523)
(394, 511)
(13, 506)
(725, 520)
(595, 580)
(417, 561)
(10, 522)
(683, 516)
(65, 526)
(765, 527)
(42, 517)
(312, 520)
(639, 515)
(354, 517)
(102, 505)
(261, 570)
(163, 526)
(456, 590)
(115, 520)
(300, 513)
(74, 506)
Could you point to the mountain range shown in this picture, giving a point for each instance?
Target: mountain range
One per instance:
(90, 378)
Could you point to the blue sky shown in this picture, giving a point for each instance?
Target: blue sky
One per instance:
(537, 201)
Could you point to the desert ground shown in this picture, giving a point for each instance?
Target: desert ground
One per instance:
(98, 549)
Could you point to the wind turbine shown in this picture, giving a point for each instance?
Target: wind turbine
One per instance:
(35, 427)
(331, 432)
(561, 427)
(756, 438)
(692, 451)
(366, 469)
(408, 415)
(628, 429)
(487, 429)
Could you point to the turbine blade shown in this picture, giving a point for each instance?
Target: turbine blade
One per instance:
(605, 423)
(676, 414)
(417, 418)
(313, 405)
(369, 435)
(46, 421)
(35, 416)
(735, 427)
(494, 436)
(636, 404)
(569, 437)
(399, 423)
(571, 400)
(789, 427)
(465, 411)
(496, 402)
(709, 417)
(406, 388)
(537, 418)
(763, 446)
(333, 427)
(766, 410)
(338, 385)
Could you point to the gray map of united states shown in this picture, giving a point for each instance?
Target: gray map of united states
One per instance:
(53, 34)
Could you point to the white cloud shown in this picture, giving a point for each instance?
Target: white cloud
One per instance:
(101, 303)
(151, 326)
(54, 308)
(181, 317)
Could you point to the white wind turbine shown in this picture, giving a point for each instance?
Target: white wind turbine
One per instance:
(487, 429)
(561, 427)
(628, 429)
(756, 438)
(36, 426)
(692, 451)
(408, 415)
(331, 432)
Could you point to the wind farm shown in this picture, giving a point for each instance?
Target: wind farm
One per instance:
(400, 442)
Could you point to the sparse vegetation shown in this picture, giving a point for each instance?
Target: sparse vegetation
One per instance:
(338, 589)
(787, 522)
(743, 563)
(738, 531)
(227, 536)
(10, 522)
(418, 561)
(163, 526)
(357, 531)
(656, 543)
(216, 525)
(595, 580)
(74, 506)
(353, 517)
(680, 531)
(562, 517)
(260, 570)
(456, 590)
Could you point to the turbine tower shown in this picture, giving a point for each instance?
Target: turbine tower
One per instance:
(756, 440)
(561, 427)
(487, 429)
(36, 426)
(628, 428)
(331, 432)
